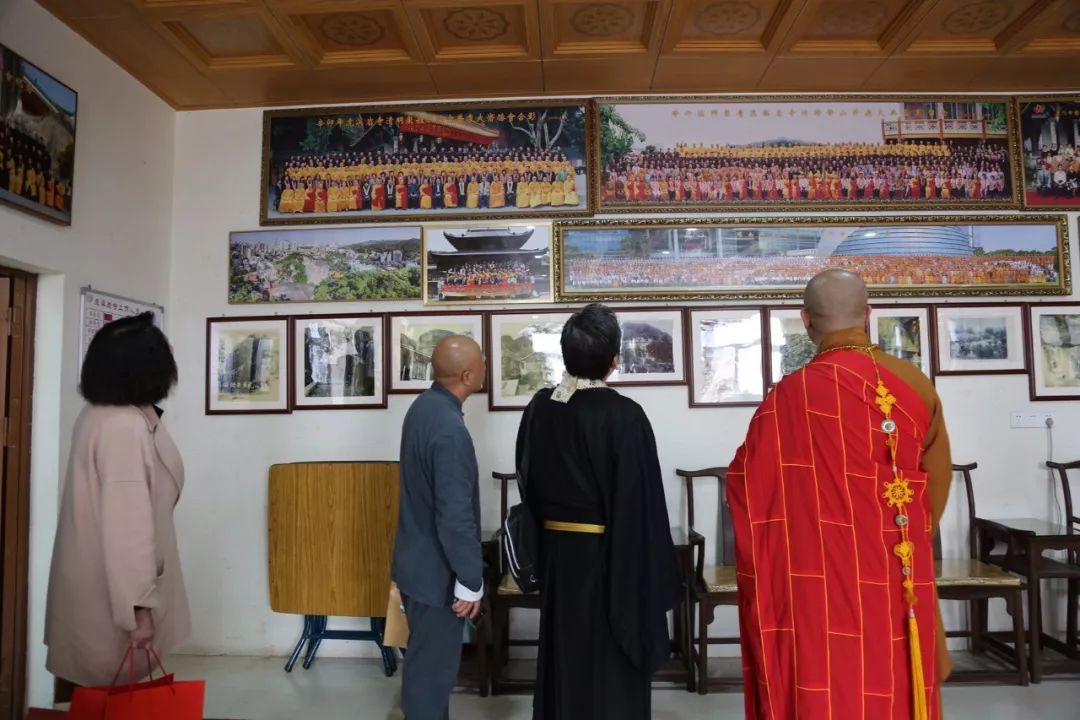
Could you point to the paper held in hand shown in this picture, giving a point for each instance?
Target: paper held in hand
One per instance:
(397, 626)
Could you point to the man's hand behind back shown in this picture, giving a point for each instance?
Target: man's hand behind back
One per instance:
(465, 609)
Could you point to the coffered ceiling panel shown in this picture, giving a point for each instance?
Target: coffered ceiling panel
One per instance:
(966, 26)
(222, 37)
(852, 26)
(455, 30)
(1057, 29)
(723, 26)
(336, 35)
(607, 28)
(235, 53)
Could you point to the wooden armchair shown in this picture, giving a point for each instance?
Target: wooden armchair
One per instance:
(976, 582)
(504, 595)
(1072, 597)
(710, 586)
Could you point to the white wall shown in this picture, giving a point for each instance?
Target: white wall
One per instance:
(118, 242)
(222, 520)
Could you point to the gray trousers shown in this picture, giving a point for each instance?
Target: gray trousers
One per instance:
(431, 662)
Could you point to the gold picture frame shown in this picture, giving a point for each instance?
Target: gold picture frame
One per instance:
(1059, 193)
(618, 260)
(285, 131)
(624, 134)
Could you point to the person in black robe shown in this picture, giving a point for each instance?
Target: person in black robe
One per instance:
(608, 568)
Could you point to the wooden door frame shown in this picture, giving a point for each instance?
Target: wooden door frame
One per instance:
(15, 428)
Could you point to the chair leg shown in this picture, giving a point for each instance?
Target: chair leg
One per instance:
(703, 647)
(979, 625)
(1035, 626)
(1072, 600)
(1014, 604)
(688, 644)
(483, 645)
(497, 662)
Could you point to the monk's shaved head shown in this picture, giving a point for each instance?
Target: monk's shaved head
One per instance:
(835, 300)
(458, 363)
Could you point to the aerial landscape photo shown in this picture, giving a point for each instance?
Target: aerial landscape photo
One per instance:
(324, 265)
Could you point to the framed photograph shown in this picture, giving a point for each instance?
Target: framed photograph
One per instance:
(826, 152)
(37, 139)
(324, 265)
(773, 258)
(789, 345)
(903, 331)
(524, 355)
(980, 340)
(652, 348)
(475, 264)
(430, 161)
(247, 365)
(1050, 148)
(726, 356)
(413, 338)
(1055, 351)
(340, 362)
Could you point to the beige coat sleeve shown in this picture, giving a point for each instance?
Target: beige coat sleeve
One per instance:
(124, 459)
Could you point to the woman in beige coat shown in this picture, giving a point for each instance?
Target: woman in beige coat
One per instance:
(116, 581)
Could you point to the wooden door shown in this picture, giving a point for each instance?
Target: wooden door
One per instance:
(17, 293)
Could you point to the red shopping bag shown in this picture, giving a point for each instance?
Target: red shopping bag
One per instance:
(162, 699)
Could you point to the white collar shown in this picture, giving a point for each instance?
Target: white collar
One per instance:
(570, 385)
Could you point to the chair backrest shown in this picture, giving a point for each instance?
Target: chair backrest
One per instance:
(726, 531)
(504, 501)
(973, 538)
(1063, 475)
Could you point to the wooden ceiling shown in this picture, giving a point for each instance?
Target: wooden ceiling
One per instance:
(234, 53)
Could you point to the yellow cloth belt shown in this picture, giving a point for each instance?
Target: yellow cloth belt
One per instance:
(574, 527)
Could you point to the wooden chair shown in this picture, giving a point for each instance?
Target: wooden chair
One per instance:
(503, 595)
(1072, 597)
(976, 582)
(709, 586)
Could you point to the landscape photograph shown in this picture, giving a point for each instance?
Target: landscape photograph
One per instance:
(324, 265)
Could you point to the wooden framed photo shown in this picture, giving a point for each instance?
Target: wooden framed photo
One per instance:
(652, 351)
(774, 258)
(903, 331)
(431, 161)
(1049, 133)
(413, 337)
(340, 362)
(790, 347)
(248, 368)
(524, 355)
(758, 153)
(503, 263)
(1054, 351)
(324, 265)
(37, 139)
(980, 340)
(727, 359)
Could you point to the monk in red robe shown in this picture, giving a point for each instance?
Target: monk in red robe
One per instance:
(834, 498)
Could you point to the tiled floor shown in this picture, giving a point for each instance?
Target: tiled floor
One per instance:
(258, 689)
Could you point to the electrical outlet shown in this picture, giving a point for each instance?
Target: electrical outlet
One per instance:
(1038, 420)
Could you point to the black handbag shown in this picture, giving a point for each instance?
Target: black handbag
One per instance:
(519, 535)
